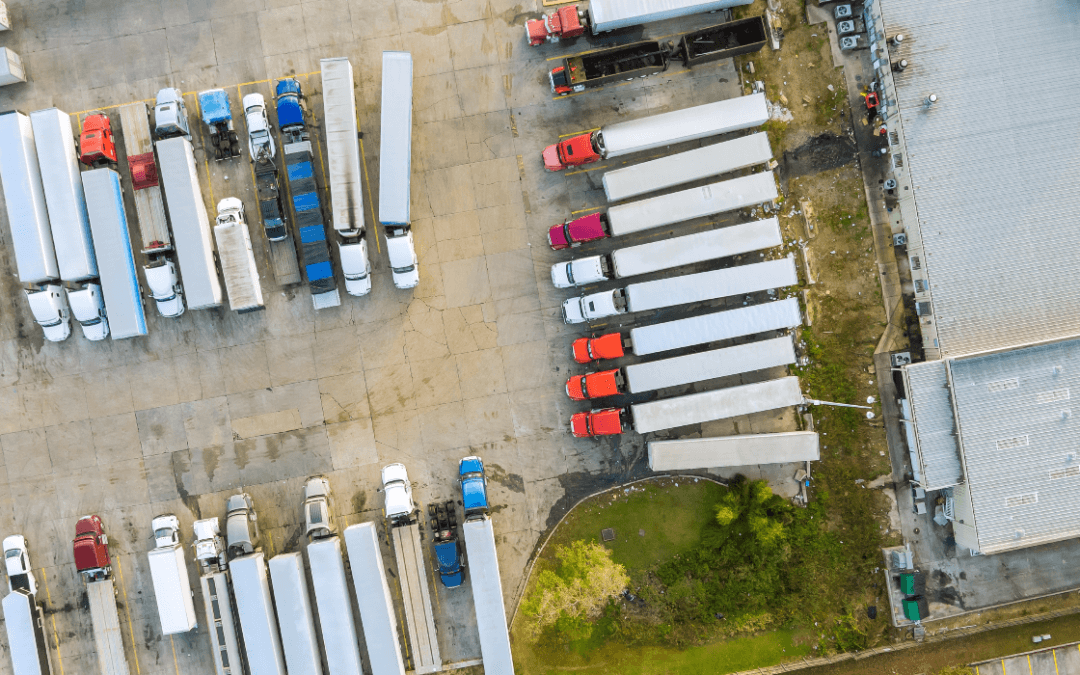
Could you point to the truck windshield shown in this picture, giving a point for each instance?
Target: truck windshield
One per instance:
(163, 533)
(566, 233)
(13, 553)
(570, 271)
(403, 270)
(585, 386)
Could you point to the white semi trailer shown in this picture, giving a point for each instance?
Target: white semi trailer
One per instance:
(221, 623)
(395, 166)
(752, 320)
(172, 588)
(373, 598)
(237, 259)
(342, 149)
(258, 620)
(295, 618)
(716, 404)
(664, 254)
(25, 625)
(332, 601)
(488, 596)
(672, 291)
(108, 640)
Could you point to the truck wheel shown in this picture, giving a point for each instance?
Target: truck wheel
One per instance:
(431, 509)
(233, 138)
(215, 140)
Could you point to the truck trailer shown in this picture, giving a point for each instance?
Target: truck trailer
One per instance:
(112, 244)
(377, 615)
(221, 623)
(332, 601)
(25, 625)
(94, 564)
(190, 223)
(716, 404)
(657, 131)
(696, 330)
(665, 254)
(258, 620)
(168, 569)
(28, 216)
(683, 290)
(607, 15)
(686, 167)
(237, 258)
(342, 148)
(294, 609)
(488, 595)
(300, 169)
(680, 370)
(395, 167)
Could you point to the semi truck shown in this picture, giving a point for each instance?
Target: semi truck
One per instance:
(657, 131)
(404, 524)
(691, 331)
(258, 620)
(444, 543)
(294, 606)
(170, 114)
(377, 616)
(217, 116)
(112, 243)
(275, 224)
(395, 167)
(97, 145)
(685, 167)
(217, 602)
(190, 223)
(342, 147)
(332, 601)
(237, 258)
(607, 15)
(484, 560)
(168, 569)
(683, 290)
(25, 625)
(150, 209)
(92, 561)
(676, 207)
(666, 254)
(680, 370)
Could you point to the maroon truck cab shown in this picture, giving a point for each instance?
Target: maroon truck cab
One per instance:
(96, 144)
(565, 22)
(605, 422)
(608, 346)
(595, 385)
(575, 232)
(91, 548)
(581, 149)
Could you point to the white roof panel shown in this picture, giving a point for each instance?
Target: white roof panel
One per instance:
(727, 451)
(611, 14)
(716, 404)
(395, 150)
(718, 326)
(937, 447)
(711, 285)
(709, 365)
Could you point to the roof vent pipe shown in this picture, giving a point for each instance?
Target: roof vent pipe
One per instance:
(930, 100)
(900, 66)
(897, 40)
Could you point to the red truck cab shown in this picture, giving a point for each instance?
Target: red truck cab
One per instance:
(575, 232)
(565, 22)
(91, 548)
(581, 149)
(605, 422)
(96, 142)
(144, 172)
(608, 346)
(595, 385)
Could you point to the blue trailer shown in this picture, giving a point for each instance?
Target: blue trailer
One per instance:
(309, 220)
(217, 115)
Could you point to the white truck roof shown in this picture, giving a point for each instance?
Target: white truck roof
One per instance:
(108, 641)
(726, 451)
(119, 283)
(334, 607)
(172, 589)
(698, 247)
(26, 638)
(611, 14)
(342, 145)
(373, 598)
(190, 223)
(688, 124)
(294, 614)
(258, 621)
(709, 365)
(238, 265)
(488, 596)
(697, 330)
(395, 151)
(716, 404)
(64, 194)
(685, 167)
(671, 291)
(11, 67)
(24, 197)
(698, 202)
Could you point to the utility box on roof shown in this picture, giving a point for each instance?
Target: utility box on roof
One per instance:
(916, 608)
(11, 68)
(907, 583)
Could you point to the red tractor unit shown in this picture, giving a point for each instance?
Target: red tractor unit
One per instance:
(610, 346)
(595, 385)
(96, 144)
(575, 232)
(604, 422)
(91, 549)
(565, 22)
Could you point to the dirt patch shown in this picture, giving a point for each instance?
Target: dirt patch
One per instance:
(821, 153)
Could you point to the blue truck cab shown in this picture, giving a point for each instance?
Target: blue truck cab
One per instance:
(447, 554)
(290, 111)
(473, 486)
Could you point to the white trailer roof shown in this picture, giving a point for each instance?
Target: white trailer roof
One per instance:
(24, 197)
(611, 14)
(727, 451)
(172, 590)
(238, 266)
(342, 144)
(220, 621)
(717, 404)
(718, 326)
(373, 598)
(190, 224)
(258, 621)
(334, 607)
(698, 202)
(295, 617)
(709, 365)
(684, 167)
(488, 596)
(29, 656)
(119, 283)
(395, 150)
(64, 194)
(711, 285)
(698, 247)
(688, 124)
(109, 643)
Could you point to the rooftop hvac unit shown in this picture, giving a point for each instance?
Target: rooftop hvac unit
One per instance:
(899, 239)
(849, 42)
(901, 359)
(842, 12)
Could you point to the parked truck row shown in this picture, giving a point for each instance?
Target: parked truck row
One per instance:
(604, 16)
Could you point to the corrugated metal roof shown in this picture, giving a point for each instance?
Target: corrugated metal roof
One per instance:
(1021, 443)
(937, 449)
(994, 164)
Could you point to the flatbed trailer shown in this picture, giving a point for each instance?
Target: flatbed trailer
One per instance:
(716, 404)
(300, 168)
(488, 596)
(416, 595)
(108, 638)
(149, 205)
(377, 616)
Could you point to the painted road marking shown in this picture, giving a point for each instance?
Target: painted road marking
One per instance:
(127, 613)
(56, 639)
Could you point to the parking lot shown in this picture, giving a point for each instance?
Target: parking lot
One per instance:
(473, 361)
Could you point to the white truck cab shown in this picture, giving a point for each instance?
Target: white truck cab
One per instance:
(397, 492)
(88, 308)
(50, 308)
(399, 246)
(166, 530)
(165, 288)
(17, 564)
(260, 140)
(592, 307)
(170, 114)
(579, 272)
(209, 549)
(356, 267)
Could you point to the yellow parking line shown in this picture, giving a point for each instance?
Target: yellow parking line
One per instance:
(578, 133)
(271, 538)
(591, 208)
(1054, 652)
(434, 564)
(367, 186)
(1030, 672)
(56, 638)
(176, 663)
(127, 613)
(1002, 666)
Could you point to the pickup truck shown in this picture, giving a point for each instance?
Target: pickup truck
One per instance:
(17, 564)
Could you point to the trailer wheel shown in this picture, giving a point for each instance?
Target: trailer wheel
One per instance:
(232, 137)
(434, 525)
(431, 510)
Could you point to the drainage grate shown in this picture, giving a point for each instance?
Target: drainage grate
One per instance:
(607, 534)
